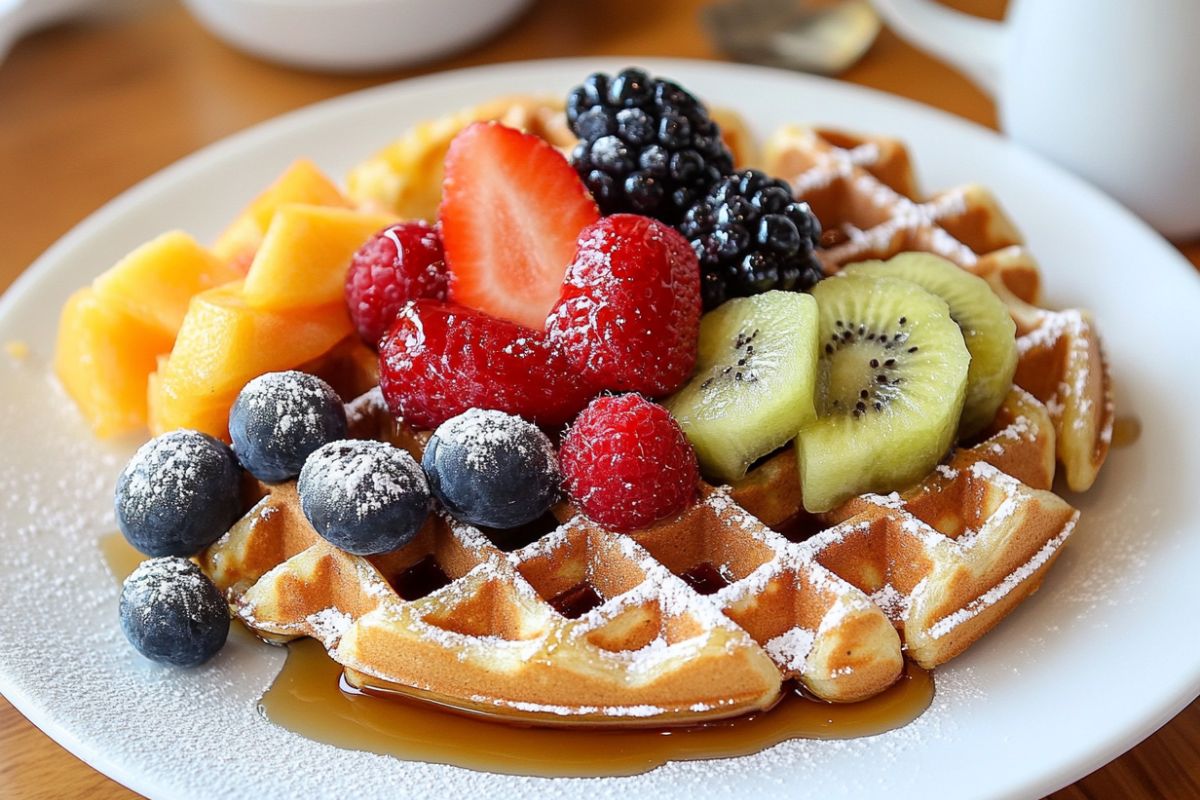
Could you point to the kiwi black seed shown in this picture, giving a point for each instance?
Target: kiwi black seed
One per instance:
(890, 387)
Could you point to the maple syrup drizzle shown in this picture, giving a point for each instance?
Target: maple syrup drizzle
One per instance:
(800, 526)
(573, 603)
(705, 578)
(120, 555)
(509, 539)
(311, 698)
(1126, 431)
(307, 698)
(422, 578)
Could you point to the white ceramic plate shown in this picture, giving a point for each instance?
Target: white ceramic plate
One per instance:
(1096, 661)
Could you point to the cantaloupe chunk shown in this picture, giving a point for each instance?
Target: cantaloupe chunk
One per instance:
(302, 182)
(224, 342)
(103, 358)
(170, 409)
(303, 258)
(156, 281)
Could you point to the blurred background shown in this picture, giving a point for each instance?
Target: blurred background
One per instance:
(96, 95)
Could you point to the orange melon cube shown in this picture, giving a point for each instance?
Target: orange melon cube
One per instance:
(224, 342)
(170, 409)
(156, 281)
(103, 358)
(302, 182)
(304, 257)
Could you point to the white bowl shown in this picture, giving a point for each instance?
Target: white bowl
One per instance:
(352, 35)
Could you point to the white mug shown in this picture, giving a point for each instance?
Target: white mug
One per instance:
(1108, 89)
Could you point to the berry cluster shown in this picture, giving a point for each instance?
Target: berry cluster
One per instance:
(521, 308)
(645, 144)
(751, 236)
(626, 462)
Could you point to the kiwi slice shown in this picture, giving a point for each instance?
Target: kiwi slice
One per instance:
(890, 388)
(754, 382)
(987, 328)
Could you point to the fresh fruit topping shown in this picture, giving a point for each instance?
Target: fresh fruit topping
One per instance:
(225, 343)
(303, 259)
(178, 494)
(492, 469)
(627, 464)
(755, 381)
(156, 281)
(103, 357)
(280, 418)
(630, 307)
(511, 211)
(645, 144)
(400, 263)
(751, 236)
(302, 182)
(890, 388)
(987, 328)
(172, 613)
(364, 497)
(440, 359)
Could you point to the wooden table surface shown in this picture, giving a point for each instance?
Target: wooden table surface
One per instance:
(88, 109)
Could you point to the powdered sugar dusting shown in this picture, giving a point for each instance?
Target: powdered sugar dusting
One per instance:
(790, 648)
(167, 472)
(364, 475)
(1002, 589)
(293, 400)
(484, 434)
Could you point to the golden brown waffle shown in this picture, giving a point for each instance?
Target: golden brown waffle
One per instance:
(864, 192)
(405, 178)
(710, 613)
(702, 616)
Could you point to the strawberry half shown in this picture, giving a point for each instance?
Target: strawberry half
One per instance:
(441, 359)
(512, 207)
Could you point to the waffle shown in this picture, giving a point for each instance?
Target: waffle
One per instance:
(702, 616)
(865, 194)
(405, 178)
(712, 613)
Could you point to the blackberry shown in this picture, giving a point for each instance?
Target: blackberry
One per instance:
(646, 145)
(751, 235)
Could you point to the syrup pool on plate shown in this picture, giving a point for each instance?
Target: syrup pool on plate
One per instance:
(1126, 431)
(310, 698)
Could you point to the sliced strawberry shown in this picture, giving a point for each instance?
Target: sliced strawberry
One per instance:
(629, 315)
(512, 207)
(441, 359)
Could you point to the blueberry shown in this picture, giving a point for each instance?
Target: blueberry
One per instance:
(364, 497)
(279, 419)
(172, 613)
(178, 494)
(492, 469)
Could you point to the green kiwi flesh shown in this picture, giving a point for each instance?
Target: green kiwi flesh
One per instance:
(987, 328)
(890, 387)
(754, 383)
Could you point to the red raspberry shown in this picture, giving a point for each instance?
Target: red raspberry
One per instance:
(626, 463)
(440, 359)
(400, 263)
(629, 315)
